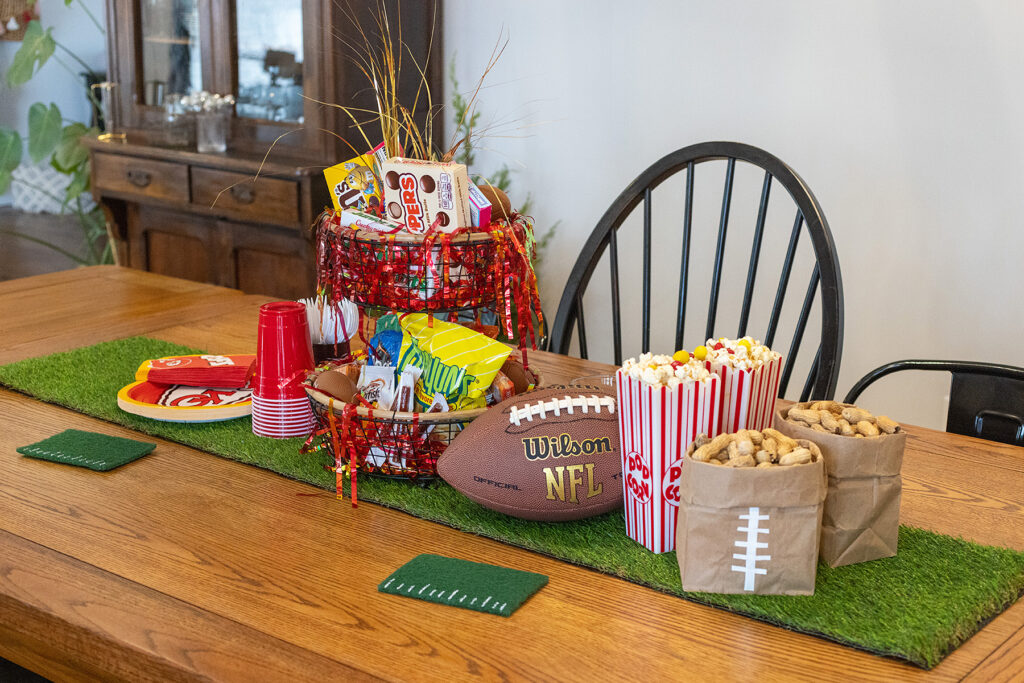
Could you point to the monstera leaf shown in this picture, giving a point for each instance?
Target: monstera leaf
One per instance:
(43, 130)
(10, 155)
(36, 47)
(70, 151)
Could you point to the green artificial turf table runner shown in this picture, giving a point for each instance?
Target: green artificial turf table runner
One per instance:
(918, 606)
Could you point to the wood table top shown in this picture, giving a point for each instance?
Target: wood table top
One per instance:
(184, 565)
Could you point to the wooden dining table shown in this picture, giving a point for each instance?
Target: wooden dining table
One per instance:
(184, 565)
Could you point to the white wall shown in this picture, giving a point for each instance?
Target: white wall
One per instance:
(905, 118)
(73, 29)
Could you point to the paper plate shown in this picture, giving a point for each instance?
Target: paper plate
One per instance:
(178, 403)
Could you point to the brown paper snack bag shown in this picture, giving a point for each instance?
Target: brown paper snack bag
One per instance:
(750, 530)
(862, 508)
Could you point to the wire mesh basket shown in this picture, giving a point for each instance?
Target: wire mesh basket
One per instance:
(387, 443)
(406, 272)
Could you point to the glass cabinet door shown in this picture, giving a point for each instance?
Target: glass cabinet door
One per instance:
(269, 60)
(171, 59)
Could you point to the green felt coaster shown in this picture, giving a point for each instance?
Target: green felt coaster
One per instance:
(98, 452)
(461, 583)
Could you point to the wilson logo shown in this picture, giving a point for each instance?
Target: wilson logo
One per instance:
(562, 446)
(411, 202)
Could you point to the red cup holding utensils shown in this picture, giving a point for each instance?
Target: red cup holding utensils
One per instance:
(284, 354)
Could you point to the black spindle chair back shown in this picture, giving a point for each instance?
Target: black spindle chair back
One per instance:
(825, 281)
(986, 400)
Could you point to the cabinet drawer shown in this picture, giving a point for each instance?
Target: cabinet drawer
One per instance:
(268, 200)
(144, 177)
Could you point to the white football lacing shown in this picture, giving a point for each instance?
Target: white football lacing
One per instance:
(567, 403)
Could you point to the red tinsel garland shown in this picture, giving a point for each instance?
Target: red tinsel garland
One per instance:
(442, 272)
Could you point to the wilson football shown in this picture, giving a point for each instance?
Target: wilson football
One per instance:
(550, 455)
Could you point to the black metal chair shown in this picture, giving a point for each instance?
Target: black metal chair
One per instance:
(824, 369)
(985, 400)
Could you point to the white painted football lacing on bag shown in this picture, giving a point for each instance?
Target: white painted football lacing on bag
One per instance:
(568, 403)
(751, 545)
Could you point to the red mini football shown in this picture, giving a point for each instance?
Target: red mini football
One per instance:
(550, 455)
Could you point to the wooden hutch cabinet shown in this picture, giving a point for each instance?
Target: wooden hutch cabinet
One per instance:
(202, 216)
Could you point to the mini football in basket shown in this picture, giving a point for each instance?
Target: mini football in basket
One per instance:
(550, 455)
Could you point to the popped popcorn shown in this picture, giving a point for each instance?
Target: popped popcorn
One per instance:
(745, 354)
(662, 370)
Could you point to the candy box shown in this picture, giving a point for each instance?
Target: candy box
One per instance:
(479, 207)
(422, 194)
(352, 184)
(862, 511)
(748, 529)
(656, 425)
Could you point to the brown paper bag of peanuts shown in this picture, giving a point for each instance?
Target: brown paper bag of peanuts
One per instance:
(748, 529)
(862, 508)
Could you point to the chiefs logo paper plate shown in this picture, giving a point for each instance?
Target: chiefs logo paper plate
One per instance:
(198, 388)
(179, 403)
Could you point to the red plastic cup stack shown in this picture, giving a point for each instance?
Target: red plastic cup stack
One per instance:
(280, 407)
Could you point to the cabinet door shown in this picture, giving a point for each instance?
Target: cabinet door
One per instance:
(273, 261)
(280, 58)
(179, 244)
(157, 48)
(170, 56)
(293, 63)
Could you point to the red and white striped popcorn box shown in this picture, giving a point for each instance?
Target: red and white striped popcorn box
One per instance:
(656, 426)
(748, 396)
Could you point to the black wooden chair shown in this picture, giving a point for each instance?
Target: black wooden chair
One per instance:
(824, 369)
(985, 400)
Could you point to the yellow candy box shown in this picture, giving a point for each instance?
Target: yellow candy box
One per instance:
(353, 184)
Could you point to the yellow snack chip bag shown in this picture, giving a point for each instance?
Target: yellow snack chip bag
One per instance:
(456, 361)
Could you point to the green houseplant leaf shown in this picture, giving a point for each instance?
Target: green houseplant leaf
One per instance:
(36, 47)
(44, 130)
(10, 155)
(79, 184)
(70, 151)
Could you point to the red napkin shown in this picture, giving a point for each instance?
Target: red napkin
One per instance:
(222, 372)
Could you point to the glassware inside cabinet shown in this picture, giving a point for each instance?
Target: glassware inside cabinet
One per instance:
(171, 60)
(270, 60)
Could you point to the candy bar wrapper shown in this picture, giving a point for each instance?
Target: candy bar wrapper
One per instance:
(748, 396)
(862, 509)
(424, 194)
(438, 405)
(750, 530)
(358, 220)
(501, 388)
(405, 399)
(656, 426)
(377, 385)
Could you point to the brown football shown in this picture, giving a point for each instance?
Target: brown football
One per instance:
(550, 455)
